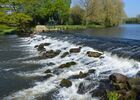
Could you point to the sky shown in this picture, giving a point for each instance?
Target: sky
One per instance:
(132, 7)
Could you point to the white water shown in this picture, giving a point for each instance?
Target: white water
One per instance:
(84, 63)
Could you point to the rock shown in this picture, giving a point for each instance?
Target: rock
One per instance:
(91, 71)
(48, 76)
(130, 95)
(134, 81)
(51, 54)
(65, 54)
(41, 47)
(138, 74)
(48, 71)
(118, 78)
(50, 64)
(100, 91)
(120, 81)
(121, 86)
(65, 83)
(36, 46)
(40, 28)
(80, 75)
(75, 50)
(84, 88)
(67, 65)
(57, 71)
(94, 54)
(135, 84)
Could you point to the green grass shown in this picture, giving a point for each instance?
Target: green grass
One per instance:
(113, 95)
(4, 29)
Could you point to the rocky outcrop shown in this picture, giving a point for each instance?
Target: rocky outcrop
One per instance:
(51, 53)
(68, 64)
(75, 50)
(64, 54)
(94, 54)
(122, 86)
(65, 83)
(118, 78)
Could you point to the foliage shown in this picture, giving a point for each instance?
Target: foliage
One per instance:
(76, 15)
(113, 95)
(4, 29)
(12, 12)
(103, 12)
(43, 10)
(134, 20)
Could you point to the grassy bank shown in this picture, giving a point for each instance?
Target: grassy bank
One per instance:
(74, 27)
(4, 29)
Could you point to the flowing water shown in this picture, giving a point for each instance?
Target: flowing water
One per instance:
(22, 74)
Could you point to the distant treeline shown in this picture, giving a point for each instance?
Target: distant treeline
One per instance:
(134, 20)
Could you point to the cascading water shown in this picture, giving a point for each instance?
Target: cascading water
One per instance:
(49, 89)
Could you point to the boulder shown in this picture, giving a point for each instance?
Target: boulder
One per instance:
(51, 54)
(94, 54)
(118, 78)
(80, 75)
(41, 47)
(64, 54)
(48, 71)
(75, 50)
(91, 71)
(119, 81)
(67, 65)
(65, 83)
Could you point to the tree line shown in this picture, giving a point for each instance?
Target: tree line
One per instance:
(133, 20)
(26, 13)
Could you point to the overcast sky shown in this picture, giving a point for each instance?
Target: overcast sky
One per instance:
(132, 7)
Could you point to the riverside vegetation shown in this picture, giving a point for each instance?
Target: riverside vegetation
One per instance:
(25, 14)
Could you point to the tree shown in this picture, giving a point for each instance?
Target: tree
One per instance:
(103, 12)
(76, 15)
(12, 12)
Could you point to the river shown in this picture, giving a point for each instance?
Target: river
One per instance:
(22, 74)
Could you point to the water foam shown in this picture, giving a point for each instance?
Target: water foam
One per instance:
(106, 64)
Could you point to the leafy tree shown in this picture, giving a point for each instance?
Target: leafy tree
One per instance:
(76, 15)
(12, 12)
(104, 12)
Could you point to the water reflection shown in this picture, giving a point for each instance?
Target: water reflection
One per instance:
(130, 31)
